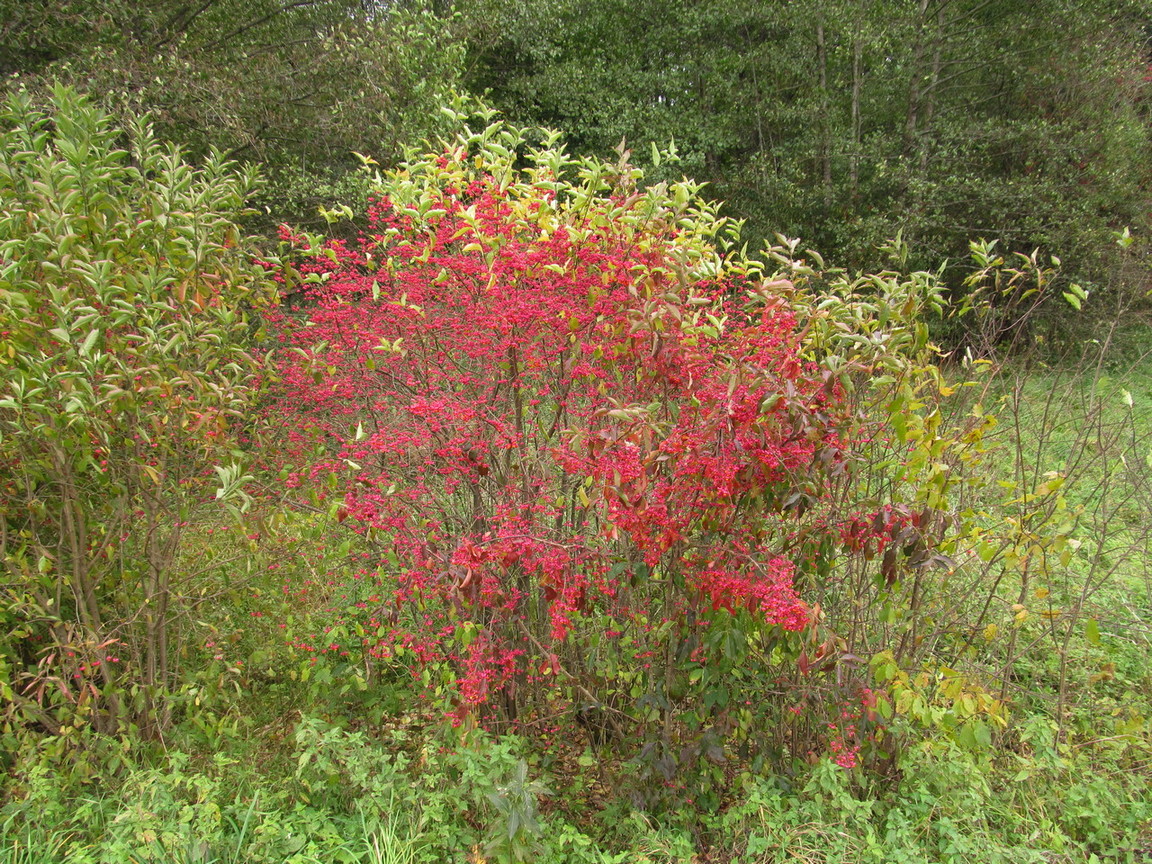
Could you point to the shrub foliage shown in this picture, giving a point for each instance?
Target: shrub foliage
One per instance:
(123, 282)
(601, 453)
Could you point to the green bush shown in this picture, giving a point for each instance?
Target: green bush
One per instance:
(124, 290)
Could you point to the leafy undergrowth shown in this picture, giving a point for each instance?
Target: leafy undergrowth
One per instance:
(408, 791)
(292, 742)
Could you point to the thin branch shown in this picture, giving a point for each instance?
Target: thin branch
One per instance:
(181, 21)
(262, 20)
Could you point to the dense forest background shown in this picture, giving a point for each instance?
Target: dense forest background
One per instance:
(840, 123)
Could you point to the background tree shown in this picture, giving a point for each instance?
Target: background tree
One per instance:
(297, 85)
(847, 122)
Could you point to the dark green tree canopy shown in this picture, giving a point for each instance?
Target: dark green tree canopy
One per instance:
(845, 121)
(296, 84)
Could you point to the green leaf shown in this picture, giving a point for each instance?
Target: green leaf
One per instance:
(89, 341)
(981, 733)
(1092, 632)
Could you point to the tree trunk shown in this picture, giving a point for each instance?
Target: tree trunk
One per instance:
(854, 158)
(826, 122)
(929, 95)
(915, 86)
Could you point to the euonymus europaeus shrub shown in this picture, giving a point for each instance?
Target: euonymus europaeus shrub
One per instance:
(606, 459)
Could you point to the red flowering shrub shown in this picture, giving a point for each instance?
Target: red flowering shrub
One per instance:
(579, 432)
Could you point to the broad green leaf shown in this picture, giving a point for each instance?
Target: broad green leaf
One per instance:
(1092, 631)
